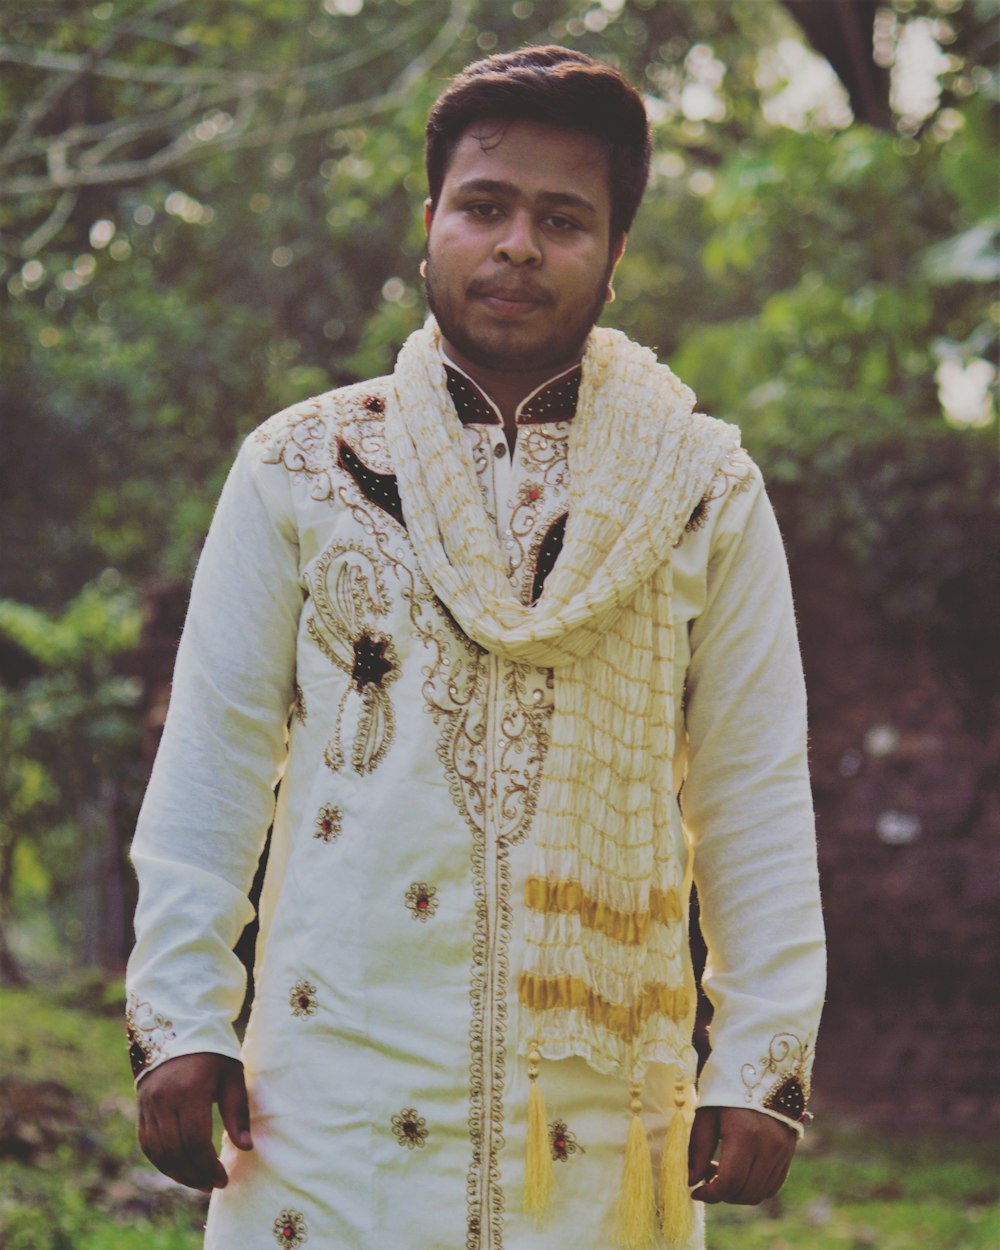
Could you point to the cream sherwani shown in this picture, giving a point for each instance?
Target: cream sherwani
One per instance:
(387, 1100)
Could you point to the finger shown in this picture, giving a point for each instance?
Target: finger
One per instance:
(197, 1165)
(234, 1107)
(702, 1144)
(728, 1182)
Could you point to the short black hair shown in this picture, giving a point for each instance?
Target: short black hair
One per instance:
(558, 87)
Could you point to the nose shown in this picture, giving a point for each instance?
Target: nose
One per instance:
(518, 243)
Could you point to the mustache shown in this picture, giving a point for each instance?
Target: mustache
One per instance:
(510, 290)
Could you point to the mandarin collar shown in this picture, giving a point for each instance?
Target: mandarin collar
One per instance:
(554, 400)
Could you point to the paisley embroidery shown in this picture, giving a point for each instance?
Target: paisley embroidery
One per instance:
(410, 1129)
(148, 1035)
(790, 1059)
(344, 627)
(289, 1229)
(299, 711)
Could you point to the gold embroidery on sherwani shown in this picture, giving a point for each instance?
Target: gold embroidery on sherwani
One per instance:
(735, 475)
(329, 823)
(148, 1033)
(297, 439)
(348, 596)
(289, 1229)
(455, 694)
(790, 1060)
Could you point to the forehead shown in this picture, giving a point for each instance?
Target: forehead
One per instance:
(534, 158)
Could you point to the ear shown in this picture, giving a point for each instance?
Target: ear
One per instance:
(428, 216)
(618, 251)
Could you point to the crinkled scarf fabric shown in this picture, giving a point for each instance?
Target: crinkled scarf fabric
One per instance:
(602, 897)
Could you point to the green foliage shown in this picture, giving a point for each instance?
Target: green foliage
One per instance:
(69, 737)
(68, 1154)
(237, 226)
(850, 1189)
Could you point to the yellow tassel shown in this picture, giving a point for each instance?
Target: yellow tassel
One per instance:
(636, 1217)
(537, 1159)
(675, 1196)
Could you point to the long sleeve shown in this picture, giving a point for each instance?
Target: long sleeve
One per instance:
(211, 795)
(748, 809)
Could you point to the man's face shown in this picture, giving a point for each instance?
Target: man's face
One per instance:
(519, 254)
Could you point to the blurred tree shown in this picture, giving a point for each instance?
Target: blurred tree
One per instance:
(68, 739)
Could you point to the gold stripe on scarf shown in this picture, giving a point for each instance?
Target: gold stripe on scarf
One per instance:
(630, 928)
(565, 992)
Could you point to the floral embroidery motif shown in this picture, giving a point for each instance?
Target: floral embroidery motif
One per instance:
(297, 439)
(562, 1142)
(348, 595)
(790, 1059)
(422, 900)
(302, 998)
(299, 712)
(148, 1035)
(328, 823)
(537, 519)
(290, 1229)
(735, 475)
(410, 1128)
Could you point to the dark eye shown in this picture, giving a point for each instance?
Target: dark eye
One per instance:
(483, 211)
(560, 223)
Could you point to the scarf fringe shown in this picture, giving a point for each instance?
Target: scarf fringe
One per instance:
(537, 1159)
(675, 1194)
(635, 1218)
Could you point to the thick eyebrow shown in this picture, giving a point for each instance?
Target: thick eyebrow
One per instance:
(555, 199)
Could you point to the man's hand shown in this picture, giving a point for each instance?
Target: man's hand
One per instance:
(175, 1117)
(756, 1154)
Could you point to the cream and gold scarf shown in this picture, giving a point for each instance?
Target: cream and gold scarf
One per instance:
(603, 903)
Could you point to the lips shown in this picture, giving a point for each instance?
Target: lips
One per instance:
(513, 301)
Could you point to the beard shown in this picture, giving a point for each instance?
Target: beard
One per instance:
(507, 348)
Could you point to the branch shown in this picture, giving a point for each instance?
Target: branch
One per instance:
(186, 147)
(50, 227)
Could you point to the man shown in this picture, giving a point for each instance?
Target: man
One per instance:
(482, 618)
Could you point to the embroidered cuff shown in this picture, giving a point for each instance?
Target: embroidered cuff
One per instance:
(777, 1083)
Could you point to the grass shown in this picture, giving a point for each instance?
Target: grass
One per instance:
(853, 1190)
(72, 1177)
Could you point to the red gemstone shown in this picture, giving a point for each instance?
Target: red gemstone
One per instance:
(422, 902)
(534, 493)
